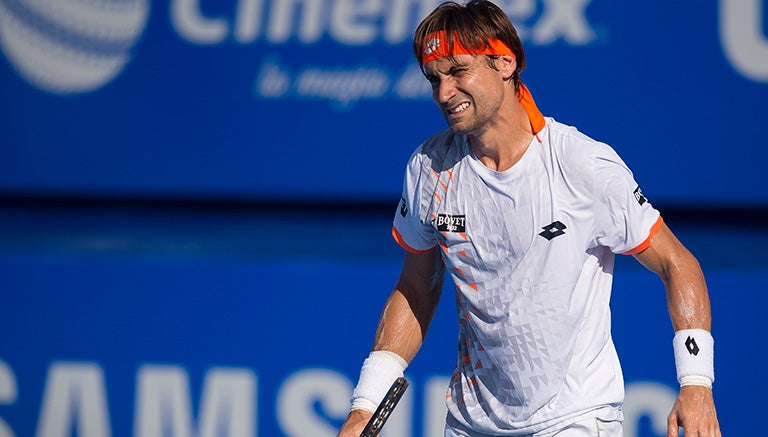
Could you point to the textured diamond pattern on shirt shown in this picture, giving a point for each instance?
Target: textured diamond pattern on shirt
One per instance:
(531, 309)
(524, 367)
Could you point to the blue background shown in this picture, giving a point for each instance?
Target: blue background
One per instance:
(182, 119)
(282, 291)
(174, 216)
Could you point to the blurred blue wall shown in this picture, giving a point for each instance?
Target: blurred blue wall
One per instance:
(254, 322)
(321, 99)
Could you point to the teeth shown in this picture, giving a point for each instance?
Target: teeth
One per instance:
(459, 108)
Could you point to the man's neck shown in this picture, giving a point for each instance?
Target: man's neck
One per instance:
(502, 144)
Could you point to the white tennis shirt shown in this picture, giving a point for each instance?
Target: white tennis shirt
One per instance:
(531, 253)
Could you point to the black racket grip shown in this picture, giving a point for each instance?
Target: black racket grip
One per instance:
(385, 408)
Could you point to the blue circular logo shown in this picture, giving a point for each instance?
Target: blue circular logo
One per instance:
(70, 46)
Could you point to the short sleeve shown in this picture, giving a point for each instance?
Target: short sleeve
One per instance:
(624, 218)
(411, 229)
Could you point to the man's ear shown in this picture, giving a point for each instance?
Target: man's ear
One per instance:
(507, 66)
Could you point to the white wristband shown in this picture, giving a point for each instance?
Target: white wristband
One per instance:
(694, 357)
(379, 371)
(695, 380)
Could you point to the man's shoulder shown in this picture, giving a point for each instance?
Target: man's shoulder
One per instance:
(568, 135)
(573, 153)
(440, 148)
(438, 143)
(570, 143)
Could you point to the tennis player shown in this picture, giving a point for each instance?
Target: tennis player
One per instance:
(525, 214)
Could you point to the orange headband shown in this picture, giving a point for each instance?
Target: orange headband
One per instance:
(435, 48)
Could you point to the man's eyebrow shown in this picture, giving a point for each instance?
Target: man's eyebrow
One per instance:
(456, 68)
(453, 69)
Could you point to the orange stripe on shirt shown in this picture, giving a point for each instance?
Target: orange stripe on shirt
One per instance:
(399, 238)
(450, 173)
(644, 245)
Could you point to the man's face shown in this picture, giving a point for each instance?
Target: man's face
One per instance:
(468, 92)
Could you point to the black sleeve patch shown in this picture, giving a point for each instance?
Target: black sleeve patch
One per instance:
(639, 196)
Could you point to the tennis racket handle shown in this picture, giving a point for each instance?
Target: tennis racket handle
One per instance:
(385, 408)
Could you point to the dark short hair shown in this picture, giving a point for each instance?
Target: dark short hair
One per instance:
(475, 23)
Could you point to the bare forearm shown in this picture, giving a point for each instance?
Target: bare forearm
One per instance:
(687, 296)
(399, 330)
(409, 310)
(688, 303)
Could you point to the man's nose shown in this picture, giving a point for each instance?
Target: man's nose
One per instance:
(445, 90)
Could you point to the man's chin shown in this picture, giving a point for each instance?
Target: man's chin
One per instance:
(457, 128)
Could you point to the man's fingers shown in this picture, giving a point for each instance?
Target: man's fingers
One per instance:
(694, 427)
(355, 423)
(673, 426)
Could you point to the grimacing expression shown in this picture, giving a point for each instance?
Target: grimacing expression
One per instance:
(467, 90)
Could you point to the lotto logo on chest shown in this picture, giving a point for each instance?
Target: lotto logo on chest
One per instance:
(451, 223)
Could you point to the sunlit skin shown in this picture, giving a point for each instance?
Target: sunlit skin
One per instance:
(688, 305)
(406, 317)
(480, 102)
(468, 92)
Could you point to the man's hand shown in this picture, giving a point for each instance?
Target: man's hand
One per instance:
(694, 410)
(355, 423)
